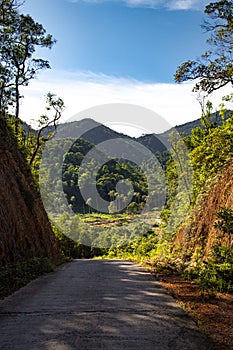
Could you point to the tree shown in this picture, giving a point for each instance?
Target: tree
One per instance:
(214, 69)
(56, 105)
(210, 150)
(20, 35)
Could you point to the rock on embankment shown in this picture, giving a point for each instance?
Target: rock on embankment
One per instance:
(199, 230)
(25, 231)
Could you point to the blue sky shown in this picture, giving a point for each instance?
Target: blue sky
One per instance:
(113, 38)
(119, 51)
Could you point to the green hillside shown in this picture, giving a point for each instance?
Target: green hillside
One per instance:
(108, 176)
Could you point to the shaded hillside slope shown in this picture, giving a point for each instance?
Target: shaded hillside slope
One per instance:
(186, 128)
(199, 232)
(25, 231)
(97, 132)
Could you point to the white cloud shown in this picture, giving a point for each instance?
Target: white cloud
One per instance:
(187, 4)
(169, 4)
(175, 103)
(143, 3)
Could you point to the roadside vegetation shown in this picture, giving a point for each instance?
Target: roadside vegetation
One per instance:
(15, 276)
(160, 240)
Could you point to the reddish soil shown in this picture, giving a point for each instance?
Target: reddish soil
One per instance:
(213, 314)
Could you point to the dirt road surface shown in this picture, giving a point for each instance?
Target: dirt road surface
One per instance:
(96, 304)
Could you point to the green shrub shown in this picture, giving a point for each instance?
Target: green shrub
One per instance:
(15, 276)
(215, 275)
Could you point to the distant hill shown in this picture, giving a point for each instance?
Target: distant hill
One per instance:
(155, 143)
(152, 141)
(186, 128)
(89, 129)
(98, 133)
(95, 133)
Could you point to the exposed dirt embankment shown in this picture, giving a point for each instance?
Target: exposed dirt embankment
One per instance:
(199, 231)
(25, 230)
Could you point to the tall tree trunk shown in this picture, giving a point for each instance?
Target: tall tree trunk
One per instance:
(2, 109)
(1, 104)
(17, 97)
(182, 171)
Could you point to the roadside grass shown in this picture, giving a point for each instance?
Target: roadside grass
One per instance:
(17, 275)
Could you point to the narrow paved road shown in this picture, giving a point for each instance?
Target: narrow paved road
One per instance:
(96, 304)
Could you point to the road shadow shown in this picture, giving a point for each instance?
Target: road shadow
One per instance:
(97, 304)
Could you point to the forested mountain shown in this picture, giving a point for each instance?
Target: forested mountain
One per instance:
(96, 132)
(109, 174)
(112, 171)
(157, 143)
(99, 133)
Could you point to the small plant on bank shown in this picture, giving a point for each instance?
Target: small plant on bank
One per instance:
(225, 223)
(15, 276)
(216, 274)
